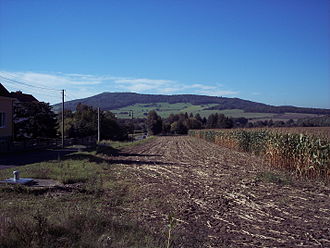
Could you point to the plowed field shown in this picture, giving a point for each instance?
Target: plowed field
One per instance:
(219, 197)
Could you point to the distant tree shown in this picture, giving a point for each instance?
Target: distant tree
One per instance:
(193, 123)
(178, 127)
(323, 121)
(270, 123)
(204, 121)
(198, 117)
(212, 121)
(258, 124)
(69, 130)
(154, 123)
(219, 121)
(34, 120)
(279, 124)
(290, 123)
(85, 120)
(110, 129)
(240, 122)
(166, 128)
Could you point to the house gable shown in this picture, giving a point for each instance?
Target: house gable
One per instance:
(6, 113)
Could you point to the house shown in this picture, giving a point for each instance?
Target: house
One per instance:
(21, 104)
(6, 114)
(23, 98)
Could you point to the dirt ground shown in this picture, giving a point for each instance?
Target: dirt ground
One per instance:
(219, 197)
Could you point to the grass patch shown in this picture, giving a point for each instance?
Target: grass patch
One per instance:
(86, 212)
(123, 144)
(66, 171)
(77, 221)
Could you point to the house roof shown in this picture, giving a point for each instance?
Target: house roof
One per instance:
(4, 92)
(21, 97)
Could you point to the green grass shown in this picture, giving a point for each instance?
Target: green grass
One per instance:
(84, 212)
(66, 221)
(67, 171)
(165, 109)
(123, 144)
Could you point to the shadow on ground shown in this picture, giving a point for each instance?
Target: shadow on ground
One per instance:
(25, 158)
(104, 155)
(113, 159)
(110, 151)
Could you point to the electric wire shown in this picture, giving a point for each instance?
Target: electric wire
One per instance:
(13, 77)
(27, 84)
(29, 89)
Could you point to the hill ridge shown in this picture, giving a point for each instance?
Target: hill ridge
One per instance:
(115, 100)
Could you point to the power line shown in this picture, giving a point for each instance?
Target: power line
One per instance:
(28, 87)
(68, 97)
(71, 96)
(27, 84)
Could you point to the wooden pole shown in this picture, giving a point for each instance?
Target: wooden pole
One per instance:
(62, 118)
(98, 126)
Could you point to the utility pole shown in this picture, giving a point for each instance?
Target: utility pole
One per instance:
(98, 126)
(62, 118)
(132, 125)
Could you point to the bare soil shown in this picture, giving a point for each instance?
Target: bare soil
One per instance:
(219, 197)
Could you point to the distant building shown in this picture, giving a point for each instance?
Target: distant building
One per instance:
(6, 114)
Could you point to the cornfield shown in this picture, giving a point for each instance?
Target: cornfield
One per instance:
(305, 151)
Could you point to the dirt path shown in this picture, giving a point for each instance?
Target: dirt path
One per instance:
(222, 198)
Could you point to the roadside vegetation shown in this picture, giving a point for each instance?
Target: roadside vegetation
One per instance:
(83, 210)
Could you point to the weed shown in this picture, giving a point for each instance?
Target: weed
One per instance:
(271, 177)
(171, 225)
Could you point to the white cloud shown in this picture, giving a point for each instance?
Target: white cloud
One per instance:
(206, 86)
(52, 80)
(146, 85)
(218, 92)
(84, 85)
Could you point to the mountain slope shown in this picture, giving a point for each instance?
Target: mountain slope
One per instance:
(112, 101)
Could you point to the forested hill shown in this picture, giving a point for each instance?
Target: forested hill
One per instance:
(111, 101)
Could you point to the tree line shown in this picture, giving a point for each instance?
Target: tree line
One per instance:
(34, 120)
(37, 120)
(181, 123)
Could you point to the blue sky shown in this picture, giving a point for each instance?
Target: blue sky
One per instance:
(270, 51)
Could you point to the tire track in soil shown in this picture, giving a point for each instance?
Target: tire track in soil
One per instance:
(215, 194)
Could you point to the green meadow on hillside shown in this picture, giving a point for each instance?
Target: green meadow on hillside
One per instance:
(165, 109)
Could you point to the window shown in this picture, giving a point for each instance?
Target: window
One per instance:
(2, 120)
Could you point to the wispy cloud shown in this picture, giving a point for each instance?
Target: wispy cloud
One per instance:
(84, 85)
(211, 90)
(146, 85)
